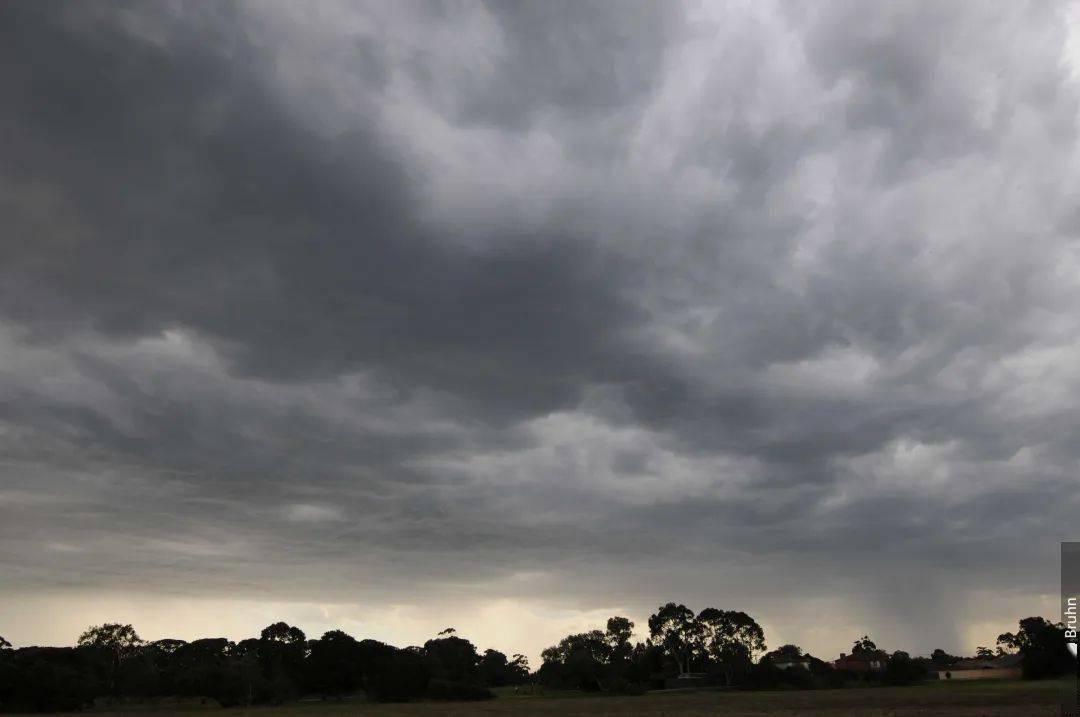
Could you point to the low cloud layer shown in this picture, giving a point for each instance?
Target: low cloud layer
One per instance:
(452, 308)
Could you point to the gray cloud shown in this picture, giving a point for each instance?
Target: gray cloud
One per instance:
(415, 299)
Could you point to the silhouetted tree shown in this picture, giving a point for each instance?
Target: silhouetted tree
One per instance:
(111, 660)
(942, 658)
(402, 678)
(519, 665)
(864, 646)
(588, 660)
(121, 641)
(731, 639)
(1042, 645)
(211, 667)
(115, 644)
(48, 679)
(619, 632)
(281, 650)
(333, 665)
(675, 628)
(283, 633)
(785, 652)
(900, 669)
(496, 671)
(452, 658)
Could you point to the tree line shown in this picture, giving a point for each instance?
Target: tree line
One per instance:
(111, 663)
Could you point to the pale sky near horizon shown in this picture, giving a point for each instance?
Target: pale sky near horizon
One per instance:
(393, 316)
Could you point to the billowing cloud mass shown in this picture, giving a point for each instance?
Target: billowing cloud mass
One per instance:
(511, 316)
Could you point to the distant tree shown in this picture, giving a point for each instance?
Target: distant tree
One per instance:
(675, 629)
(120, 640)
(4, 644)
(116, 644)
(731, 640)
(785, 652)
(493, 668)
(49, 679)
(593, 643)
(452, 658)
(596, 660)
(864, 646)
(493, 673)
(1042, 645)
(333, 665)
(519, 664)
(401, 678)
(940, 657)
(166, 646)
(496, 671)
(283, 633)
(281, 649)
(212, 667)
(456, 670)
(984, 653)
(447, 631)
(375, 659)
(619, 632)
(900, 669)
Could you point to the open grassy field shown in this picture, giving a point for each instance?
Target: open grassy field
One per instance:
(1001, 699)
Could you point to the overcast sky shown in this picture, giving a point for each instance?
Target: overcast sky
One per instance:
(394, 316)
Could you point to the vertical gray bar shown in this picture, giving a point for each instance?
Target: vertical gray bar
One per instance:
(1070, 618)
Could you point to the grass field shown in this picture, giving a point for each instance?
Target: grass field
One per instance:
(1000, 699)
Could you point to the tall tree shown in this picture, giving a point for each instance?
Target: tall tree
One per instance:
(786, 652)
(117, 642)
(864, 646)
(121, 641)
(333, 664)
(619, 632)
(731, 640)
(675, 628)
(283, 633)
(519, 665)
(1042, 645)
(594, 643)
(940, 657)
(281, 650)
(452, 658)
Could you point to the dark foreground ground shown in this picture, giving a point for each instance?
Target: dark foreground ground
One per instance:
(931, 700)
(989, 699)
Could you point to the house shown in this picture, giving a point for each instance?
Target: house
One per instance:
(787, 662)
(873, 661)
(1004, 667)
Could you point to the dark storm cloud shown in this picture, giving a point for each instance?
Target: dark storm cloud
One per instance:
(412, 295)
(552, 65)
(252, 229)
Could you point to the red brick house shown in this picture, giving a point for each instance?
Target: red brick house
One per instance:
(873, 661)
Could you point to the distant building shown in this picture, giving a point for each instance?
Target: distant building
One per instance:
(787, 662)
(873, 661)
(1005, 667)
